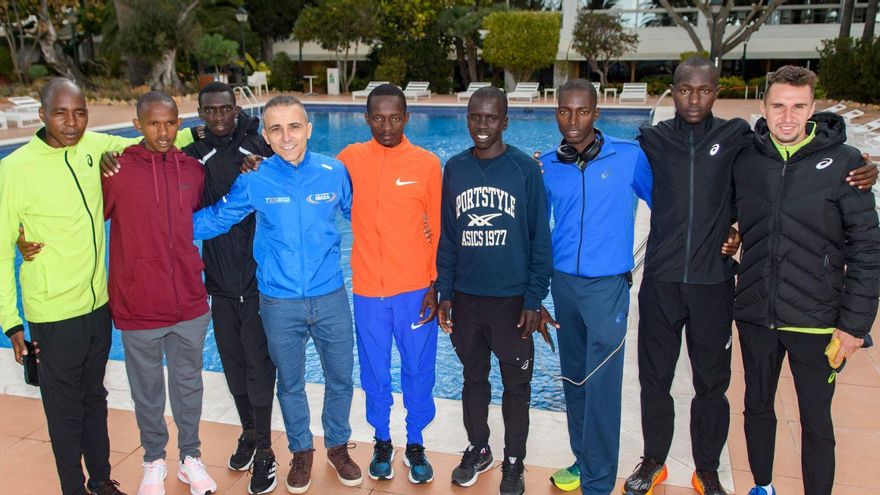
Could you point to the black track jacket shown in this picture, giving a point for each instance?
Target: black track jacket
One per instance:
(811, 243)
(691, 210)
(230, 269)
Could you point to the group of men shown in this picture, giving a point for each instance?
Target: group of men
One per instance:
(810, 265)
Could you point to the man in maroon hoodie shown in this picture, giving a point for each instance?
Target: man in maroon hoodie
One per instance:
(157, 297)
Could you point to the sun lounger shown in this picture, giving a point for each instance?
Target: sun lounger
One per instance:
(21, 102)
(471, 89)
(525, 90)
(834, 108)
(852, 114)
(865, 128)
(634, 92)
(366, 91)
(3, 125)
(417, 89)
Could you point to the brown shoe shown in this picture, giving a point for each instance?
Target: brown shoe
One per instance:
(347, 471)
(299, 478)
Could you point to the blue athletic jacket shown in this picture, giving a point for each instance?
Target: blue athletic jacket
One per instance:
(594, 210)
(296, 244)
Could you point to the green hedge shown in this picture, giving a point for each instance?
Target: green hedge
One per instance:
(849, 69)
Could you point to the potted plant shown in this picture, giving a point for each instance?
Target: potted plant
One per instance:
(213, 50)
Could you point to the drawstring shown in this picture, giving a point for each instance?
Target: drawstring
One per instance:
(179, 194)
(155, 178)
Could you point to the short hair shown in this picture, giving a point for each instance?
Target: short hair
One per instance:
(694, 63)
(386, 90)
(490, 93)
(151, 97)
(217, 87)
(285, 100)
(579, 85)
(51, 87)
(792, 75)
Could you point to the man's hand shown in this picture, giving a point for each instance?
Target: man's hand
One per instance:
(528, 321)
(865, 176)
(546, 319)
(18, 347)
(444, 316)
(731, 245)
(27, 249)
(200, 132)
(426, 229)
(251, 163)
(848, 345)
(109, 163)
(429, 303)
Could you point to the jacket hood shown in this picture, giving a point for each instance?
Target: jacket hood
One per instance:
(830, 131)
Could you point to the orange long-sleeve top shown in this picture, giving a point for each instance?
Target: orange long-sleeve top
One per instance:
(394, 191)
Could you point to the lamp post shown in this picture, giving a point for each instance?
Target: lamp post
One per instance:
(241, 15)
(715, 8)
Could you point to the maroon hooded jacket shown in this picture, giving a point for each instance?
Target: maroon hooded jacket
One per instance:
(155, 275)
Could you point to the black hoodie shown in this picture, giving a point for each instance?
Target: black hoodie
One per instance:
(230, 269)
(811, 243)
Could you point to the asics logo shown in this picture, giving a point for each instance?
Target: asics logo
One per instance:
(824, 163)
(729, 343)
(482, 220)
(606, 174)
(714, 150)
(415, 325)
(404, 182)
(321, 198)
(525, 365)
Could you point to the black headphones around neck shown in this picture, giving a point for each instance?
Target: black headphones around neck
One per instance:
(566, 153)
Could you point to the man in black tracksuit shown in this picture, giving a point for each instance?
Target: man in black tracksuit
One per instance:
(809, 274)
(494, 262)
(230, 278)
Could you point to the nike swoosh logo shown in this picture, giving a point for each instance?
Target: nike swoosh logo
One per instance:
(414, 326)
(404, 183)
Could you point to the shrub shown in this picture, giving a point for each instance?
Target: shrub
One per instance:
(108, 88)
(731, 87)
(7, 68)
(686, 55)
(658, 84)
(392, 69)
(283, 74)
(849, 69)
(37, 71)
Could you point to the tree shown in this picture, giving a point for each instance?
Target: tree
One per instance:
(19, 30)
(273, 20)
(462, 24)
(153, 31)
(341, 26)
(717, 25)
(214, 50)
(846, 18)
(601, 39)
(870, 18)
(521, 42)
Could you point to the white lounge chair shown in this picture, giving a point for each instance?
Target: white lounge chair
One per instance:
(3, 124)
(525, 90)
(834, 108)
(865, 128)
(634, 92)
(416, 89)
(258, 81)
(471, 89)
(852, 114)
(366, 91)
(23, 102)
(597, 85)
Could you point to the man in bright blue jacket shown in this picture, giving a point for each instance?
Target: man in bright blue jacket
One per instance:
(296, 195)
(590, 180)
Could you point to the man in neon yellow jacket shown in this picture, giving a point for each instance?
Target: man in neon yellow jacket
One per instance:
(51, 186)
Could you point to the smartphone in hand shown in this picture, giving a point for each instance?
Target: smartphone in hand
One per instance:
(31, 370)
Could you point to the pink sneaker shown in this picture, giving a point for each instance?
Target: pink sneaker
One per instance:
(192, 472)
(154, 478)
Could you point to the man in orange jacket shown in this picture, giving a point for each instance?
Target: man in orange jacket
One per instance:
(397, 190)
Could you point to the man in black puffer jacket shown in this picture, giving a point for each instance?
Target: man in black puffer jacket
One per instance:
(809, 273)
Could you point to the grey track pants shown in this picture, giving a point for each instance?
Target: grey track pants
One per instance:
(182, 346)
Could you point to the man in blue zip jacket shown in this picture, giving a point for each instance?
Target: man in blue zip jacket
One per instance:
(590, 179)
(296, 195)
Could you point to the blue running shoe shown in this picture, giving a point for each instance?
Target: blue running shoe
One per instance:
(760, 490)
(383, 456)
(420, 470)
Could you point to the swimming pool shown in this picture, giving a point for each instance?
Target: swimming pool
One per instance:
(443, 131)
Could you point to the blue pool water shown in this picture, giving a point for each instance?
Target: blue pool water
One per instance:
(444, 132)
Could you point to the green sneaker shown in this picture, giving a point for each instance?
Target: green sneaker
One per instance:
(567, 479)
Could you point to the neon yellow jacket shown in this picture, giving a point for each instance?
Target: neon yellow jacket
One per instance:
(55, 193)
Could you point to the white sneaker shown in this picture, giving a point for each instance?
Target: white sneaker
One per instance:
(154, 478)
(192, 472)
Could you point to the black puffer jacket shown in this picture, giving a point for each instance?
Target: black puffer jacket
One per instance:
(691, 197)
(230, 269)
(811, 243)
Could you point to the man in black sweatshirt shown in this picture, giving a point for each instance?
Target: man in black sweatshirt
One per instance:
(494, 262)
(809, 274)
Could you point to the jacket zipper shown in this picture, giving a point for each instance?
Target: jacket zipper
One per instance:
(687, 243)
(302, 263)
(94, 238)
(774, 244)
(577, 270)
(171, 236)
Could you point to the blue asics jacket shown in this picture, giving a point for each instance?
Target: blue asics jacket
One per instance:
(296, 244)
(593, 209)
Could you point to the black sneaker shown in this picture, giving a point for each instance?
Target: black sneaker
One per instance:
(707, 483)
(262, 472)
(473, 462)
(382, 463)
(243, 456)
(420, 470)
(647, 475)
(512, 480)
(108, 487)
